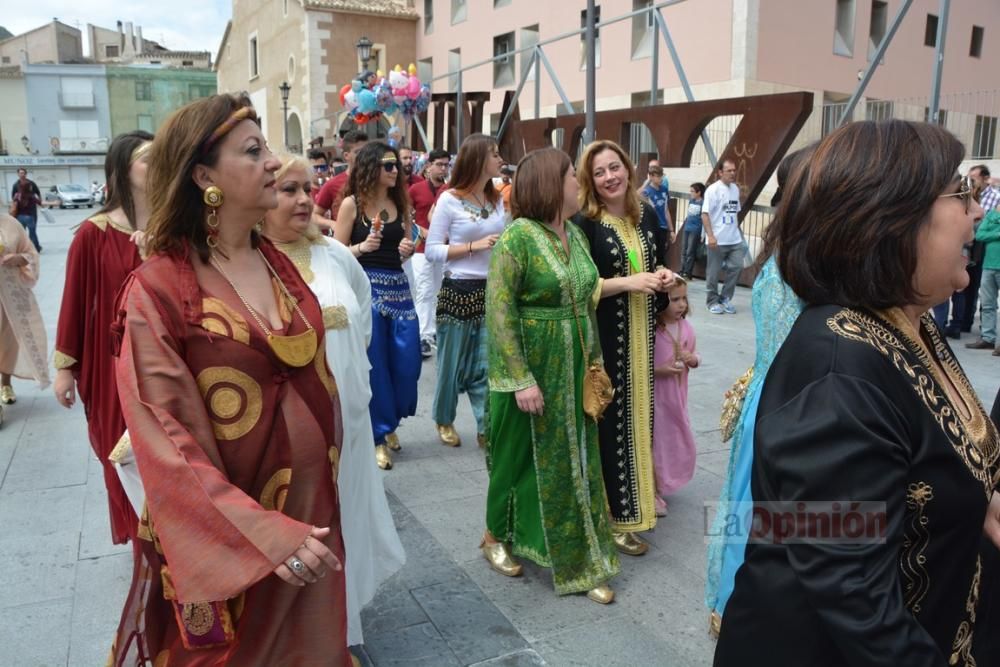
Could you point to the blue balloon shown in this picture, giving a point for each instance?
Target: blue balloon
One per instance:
(366, 101)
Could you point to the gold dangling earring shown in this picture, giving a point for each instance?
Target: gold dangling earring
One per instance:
(213, 199)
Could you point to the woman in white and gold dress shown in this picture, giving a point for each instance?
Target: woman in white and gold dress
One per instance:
(374, 551)
(22, 334)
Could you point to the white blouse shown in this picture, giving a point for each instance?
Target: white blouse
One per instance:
(459, 222)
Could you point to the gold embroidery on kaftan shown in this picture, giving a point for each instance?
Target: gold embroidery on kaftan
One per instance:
(916, 537)
(979, 454)
(962, 646)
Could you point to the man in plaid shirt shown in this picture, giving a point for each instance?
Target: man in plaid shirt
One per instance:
(989, 199)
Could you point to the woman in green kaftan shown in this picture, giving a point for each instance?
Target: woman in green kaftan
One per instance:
(546, 496)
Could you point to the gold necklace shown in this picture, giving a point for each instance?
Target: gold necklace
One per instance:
(298, 350)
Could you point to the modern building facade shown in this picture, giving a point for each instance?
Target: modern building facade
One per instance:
(728, 48)
(310, 44)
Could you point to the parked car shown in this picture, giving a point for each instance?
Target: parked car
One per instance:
(69, 195)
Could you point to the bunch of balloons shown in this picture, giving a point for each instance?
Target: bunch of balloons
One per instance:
(399, 92)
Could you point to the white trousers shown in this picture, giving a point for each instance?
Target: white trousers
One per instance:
(426, 285)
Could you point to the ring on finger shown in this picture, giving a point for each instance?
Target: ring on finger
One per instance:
(296, 565)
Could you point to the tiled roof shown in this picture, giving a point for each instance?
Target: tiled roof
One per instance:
(11, 72)
(387, 8)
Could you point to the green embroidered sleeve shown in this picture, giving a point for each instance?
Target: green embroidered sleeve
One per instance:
(508, 367)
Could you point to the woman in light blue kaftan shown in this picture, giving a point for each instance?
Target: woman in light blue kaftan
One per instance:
(775, 309)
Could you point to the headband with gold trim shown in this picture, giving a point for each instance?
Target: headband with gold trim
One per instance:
(241, 114)
(139, 151)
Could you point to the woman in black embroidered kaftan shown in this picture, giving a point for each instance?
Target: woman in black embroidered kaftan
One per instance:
(629, 248)
(865, 403)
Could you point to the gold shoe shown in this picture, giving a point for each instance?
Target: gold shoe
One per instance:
(500, 559)
(602, 594)
(481, 439)
(714, 625)
(354, 661)
(382, 457)
(629, 544)
(392, 442)
(448, 435)
(7, 395)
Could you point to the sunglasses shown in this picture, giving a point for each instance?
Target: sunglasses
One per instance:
(389, 167)
(321, 167)
(964, 192)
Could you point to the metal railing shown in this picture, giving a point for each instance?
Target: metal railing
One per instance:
(973, 117)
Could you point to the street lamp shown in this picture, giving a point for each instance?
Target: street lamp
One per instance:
(364, 47)
(285, 89)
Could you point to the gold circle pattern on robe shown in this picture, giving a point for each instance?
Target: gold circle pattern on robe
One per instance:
(276, 490)
(233, 399)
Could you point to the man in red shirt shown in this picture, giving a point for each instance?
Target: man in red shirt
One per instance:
(406, 160)
(427, 275)
(329, 195)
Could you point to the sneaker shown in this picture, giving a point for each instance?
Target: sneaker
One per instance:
(716, 309)
(728, 308)
(426, 350)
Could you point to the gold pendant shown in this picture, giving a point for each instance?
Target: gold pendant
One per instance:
(297, 351)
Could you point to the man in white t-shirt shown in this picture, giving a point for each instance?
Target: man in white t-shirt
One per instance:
(719, 216)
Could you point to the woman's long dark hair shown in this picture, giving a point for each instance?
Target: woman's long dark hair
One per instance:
(117, 165)
(365, 175)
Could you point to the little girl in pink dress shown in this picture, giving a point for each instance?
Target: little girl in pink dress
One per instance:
(673, 358)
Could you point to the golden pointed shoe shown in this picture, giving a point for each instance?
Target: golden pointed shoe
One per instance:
(392, 442)
(714, 625)
(382, 457)
(500, 559)
(448, 435)
(602, 594)
(7, 395)
(629, 544)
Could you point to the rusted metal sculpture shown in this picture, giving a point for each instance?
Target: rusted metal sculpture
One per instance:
(769, 125)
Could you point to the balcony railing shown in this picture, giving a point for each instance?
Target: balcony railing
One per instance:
(76, 100)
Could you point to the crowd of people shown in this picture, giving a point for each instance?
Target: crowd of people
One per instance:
(246, 332)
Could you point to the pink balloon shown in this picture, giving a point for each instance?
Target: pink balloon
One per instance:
(413, 87)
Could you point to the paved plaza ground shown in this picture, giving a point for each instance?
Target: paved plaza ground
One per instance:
(63, 582)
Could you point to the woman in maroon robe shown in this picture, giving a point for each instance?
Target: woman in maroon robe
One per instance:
(102, 254)
(226, 394)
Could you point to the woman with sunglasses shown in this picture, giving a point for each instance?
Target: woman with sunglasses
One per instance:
(372, 546)
(466, 223)
(374, 222)
(867, 429)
